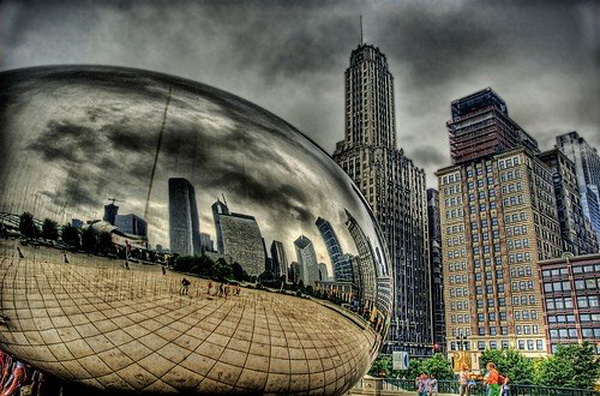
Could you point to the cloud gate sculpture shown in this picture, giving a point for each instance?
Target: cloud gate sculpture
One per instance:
(162, 236)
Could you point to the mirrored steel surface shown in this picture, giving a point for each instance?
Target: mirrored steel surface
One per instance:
(151, 180)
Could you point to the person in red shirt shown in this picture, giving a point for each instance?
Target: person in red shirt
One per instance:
(494, 380)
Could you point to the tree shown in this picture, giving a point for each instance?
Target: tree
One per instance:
(572, 366)
(382, 367)
(238, 272)
(105, 243)
(70, 236)
(27, 226)
(439, 366)
(510, 363)
(89, 240)
(50, 229)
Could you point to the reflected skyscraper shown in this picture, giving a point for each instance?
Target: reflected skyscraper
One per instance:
(184, 227)
(395, 190)
(336, 255)
(239, 237)
(131, 224)
(110, 212)
(323, 272)
(280, 263)
(366, 262)
(307, 260)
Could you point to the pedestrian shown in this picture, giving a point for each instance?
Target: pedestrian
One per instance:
(463, 380)
(184, 287)
(506, 387)
(433, 385)
(20, 252)
(426, 385)
(493, 380)
(210, 287)
(164, 270)
(65, 258)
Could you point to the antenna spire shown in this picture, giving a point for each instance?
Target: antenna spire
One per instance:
(361, 31)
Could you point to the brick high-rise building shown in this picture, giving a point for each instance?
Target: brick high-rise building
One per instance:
(498, 219)
(395, 190)
(437, 270)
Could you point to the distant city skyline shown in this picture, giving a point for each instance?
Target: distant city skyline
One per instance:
(541, 57)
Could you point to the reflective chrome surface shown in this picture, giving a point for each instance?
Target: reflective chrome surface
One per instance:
(162, 179)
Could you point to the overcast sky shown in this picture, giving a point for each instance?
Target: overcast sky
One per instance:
(542, 57)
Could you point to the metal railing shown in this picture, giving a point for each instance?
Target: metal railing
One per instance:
(452, 387)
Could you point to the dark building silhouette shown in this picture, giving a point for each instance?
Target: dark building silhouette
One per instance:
(481, 126)
(437, 270)
(394, 188)
(206, 242)
(110, 213)
(184, 227)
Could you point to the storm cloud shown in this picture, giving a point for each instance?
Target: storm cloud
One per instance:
(289, 57)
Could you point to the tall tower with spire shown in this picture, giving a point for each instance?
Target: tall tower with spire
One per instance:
(394, 188)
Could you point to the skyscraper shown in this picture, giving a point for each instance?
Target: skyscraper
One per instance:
(334, 249)
(323, 272)
(184, 227)
(481, 126)
(498, 219)
(239, 237)
(394, 188)
(576, 230)
(437, 269)
(280, 263)
(206, 242)
(131, 224)
(587, 168)
(307, 260)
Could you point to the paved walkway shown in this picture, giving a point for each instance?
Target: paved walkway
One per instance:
(116, 329)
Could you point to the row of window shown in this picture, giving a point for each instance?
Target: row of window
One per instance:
(511, 218)
(454, 177)
(459, 292)
(519, 257)
(527, 329)
(459, 305)
(491, 302)
(586, 268)
(489, 275)
(510, 175)
(456, 189)
(516, 230)
(512, 187)
(521, 286)
(464, 318)
(509, 162)
(587, 284)
(455, 228)
(458, 279)
(521, 271)
(457, 265)
(524, 300)
(489, 289)
(514, 200)
(517, 243)
(526, 315)
(523, 345)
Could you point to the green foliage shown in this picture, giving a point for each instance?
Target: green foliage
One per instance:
(572, 366)
(27, 226)
(105, 244)
(70, 236)
(203, 266)
(89, 240)
(50, 229)
(238, 272)
(510, 363)
(382, 367)
(439, 366)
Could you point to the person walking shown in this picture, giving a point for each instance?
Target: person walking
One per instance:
(433, 385)
(185, 284)
(493, 380)
(463, 380)
(506, 387)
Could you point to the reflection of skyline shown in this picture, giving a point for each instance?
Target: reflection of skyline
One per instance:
(102, 146)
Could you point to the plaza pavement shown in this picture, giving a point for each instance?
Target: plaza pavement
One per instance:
(119, 330)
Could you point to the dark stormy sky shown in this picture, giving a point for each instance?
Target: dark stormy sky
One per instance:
(542, 57)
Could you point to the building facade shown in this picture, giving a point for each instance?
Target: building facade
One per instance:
(571, 300)
(334, 249)
(437, 270)
(184, 224)
(131, 224)
(576, 230)
(239, 237)
(308, 267)
(280, 262)
(587, 168)
(498, 220)
(395, 190)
